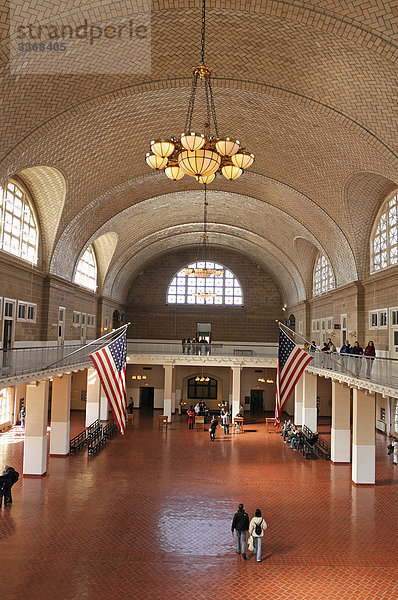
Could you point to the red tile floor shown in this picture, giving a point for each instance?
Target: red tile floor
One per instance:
(149, 518)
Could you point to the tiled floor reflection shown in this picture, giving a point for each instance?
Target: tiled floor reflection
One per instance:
(149, 518)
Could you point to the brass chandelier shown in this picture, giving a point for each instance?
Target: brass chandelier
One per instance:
(200, 155)
(205, 271)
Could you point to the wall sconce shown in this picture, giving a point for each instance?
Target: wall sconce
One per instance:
(138, 377)
(261, 380)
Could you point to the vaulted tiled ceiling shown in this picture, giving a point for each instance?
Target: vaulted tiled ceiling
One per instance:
(311, 88)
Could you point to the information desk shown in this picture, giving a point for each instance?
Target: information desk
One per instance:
(238, 424)
(200, 423)
(270, 426)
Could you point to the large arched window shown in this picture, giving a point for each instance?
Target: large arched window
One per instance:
(384, 243)
(86, 270)
(18, 229)
(223, 289)
(323, 279)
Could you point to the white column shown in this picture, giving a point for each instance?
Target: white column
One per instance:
(93, 396)
(363, 437)
(60, 415)
(235, 391)
(298, 402)
(35, 446)
(178, 400)
(341, 426)
(388, 416)
(168, 382)
(104, 406)
(309, 401)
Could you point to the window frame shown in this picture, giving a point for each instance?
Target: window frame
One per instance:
(182, 287)
(383, 212)
(27, 200)
(22, 305)
(321, 283)
(80, 275)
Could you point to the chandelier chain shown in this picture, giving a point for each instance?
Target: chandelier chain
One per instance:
(203, 31)
(213, 108)
(191, 104)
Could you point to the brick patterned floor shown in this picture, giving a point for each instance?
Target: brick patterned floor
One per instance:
(149, 518)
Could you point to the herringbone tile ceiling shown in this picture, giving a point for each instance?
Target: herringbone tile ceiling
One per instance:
(310, 89)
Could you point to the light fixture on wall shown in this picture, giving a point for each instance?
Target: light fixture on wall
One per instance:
(139, 377)
(262, 380)
(200, 155)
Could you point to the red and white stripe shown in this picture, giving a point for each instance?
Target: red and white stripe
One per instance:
(114, 384)
(289, 376)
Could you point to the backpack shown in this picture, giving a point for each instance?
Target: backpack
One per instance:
(259, 529)
(14, 476)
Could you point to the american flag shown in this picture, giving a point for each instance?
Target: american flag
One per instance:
(292, 361)
(110, 363)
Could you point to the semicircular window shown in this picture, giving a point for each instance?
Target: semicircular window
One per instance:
(205, 283)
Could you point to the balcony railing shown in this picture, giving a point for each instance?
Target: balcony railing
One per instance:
(383, 371)
(22, 361)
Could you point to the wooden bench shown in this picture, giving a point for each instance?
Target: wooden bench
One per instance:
(322, 448)
(78, 442)
(238, 421)
(270, 426)
(93, 427)
(200, 423)
(109, 430)
(96, 441)
(162, 421)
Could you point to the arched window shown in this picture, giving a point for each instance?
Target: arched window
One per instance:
(202, 388)
(323, 279)
(18, 229)
(221, 289)
(384, 243)
(86, 270)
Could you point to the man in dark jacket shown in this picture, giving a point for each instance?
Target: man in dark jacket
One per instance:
(240, 524)
(11, 475)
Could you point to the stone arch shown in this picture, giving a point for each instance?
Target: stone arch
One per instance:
(47, 186)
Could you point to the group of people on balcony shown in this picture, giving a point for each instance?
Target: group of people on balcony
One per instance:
(351, 356)
(196, 345)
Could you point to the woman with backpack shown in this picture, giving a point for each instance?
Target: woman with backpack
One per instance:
(256, 530)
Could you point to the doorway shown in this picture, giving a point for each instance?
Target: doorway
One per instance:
(256, 401)
(147, 395)
(8, 329)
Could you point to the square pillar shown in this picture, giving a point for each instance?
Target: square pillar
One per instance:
(298, 402)
(341, 426)
(93, 396)
(363, 438)
(35, 446)
(235, 391)
(173, 392)
(310, 417)
(104, 406)
(60, 415)
(168, 384)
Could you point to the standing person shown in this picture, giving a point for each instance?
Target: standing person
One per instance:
(240, 524)
(213, 427)
(191, 417)
(370, 354)
(357, 351)
(345, 351)
(131, 405)
(256, 530)
(189, 345)
(225, 422)
(395, 451)
(12, 475)
(197, 409)
(22, 417)
(184, 345)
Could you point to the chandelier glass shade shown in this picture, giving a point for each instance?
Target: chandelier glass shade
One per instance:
(202, 379)
(200, 155)
(174, 172)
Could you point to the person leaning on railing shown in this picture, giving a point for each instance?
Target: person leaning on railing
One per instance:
(370, 355)
(357, 352)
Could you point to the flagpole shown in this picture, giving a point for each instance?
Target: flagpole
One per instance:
(90, 344)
